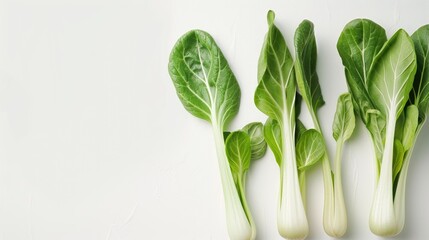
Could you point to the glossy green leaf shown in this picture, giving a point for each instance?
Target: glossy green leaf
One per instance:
(358, 45)
(203, 79)
(310, 149)
(420, 96)
(305, 66)
(272, 134)
(237, 148)
(410, 126)
(258, 145)
(262, 61)
(391, 77)
(275, 94)
(344, 119)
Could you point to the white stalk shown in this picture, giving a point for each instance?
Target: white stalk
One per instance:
(291, 218)
(334, 210)
(328, 201)
(399, 203)
(339, 217)
(238, 225)
(382, 220)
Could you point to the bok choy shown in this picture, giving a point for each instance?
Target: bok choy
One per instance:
(388, 81)
(209, 90)
(334, 211)
(295, 148)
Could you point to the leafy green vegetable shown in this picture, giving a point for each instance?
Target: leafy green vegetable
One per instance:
(343, 126)
(334, 213)
(276, 97)
(392, 103)
(208, 89)
(390, 82)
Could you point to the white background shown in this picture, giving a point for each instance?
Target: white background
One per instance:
(94, 143)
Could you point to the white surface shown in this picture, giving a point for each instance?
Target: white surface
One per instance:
(94, 143)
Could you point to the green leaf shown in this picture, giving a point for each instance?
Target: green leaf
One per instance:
(275, 94)
(344, 119)
(398, 158)
(258, 145)
(237, 148)
(420, 96)
(310, 149)
(399, 128)
(203, 79)
(391, 77)
(272, 135)
(410, 126)
(305, 66)
(299, 130)
(358, 45)
(376, 126)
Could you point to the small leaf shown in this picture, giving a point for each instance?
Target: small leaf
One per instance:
(310, 149)
(258, 145)
(376, 126)
(237, 148)
(344, 119)
(398, 158)
(410, 126)
(272, 134)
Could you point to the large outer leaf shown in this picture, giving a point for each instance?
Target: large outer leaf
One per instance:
(275, 94)
(420, 96)
(344, 119)
(358, 45)
(237, 147)
(203, 79)
(305, 66)
(391, 77)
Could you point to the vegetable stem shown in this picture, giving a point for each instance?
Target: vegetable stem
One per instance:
(382, 217)
(399, 201)
(239, 227)
(242, 191)
(302, 186)
(291, 218)
(340, 216)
